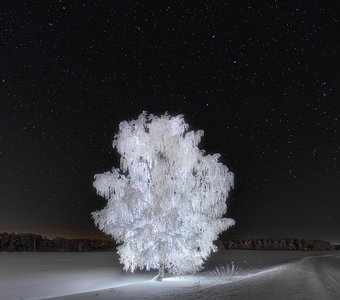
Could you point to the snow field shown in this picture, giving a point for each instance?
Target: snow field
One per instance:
(98, 275)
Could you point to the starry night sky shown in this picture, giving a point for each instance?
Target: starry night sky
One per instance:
(261, 78)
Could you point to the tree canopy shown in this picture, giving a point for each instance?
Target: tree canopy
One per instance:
(167, 200)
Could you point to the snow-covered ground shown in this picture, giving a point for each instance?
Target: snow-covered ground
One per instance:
(98, 275)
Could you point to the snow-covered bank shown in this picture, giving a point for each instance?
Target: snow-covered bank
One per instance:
(315, 277)
(262, 275)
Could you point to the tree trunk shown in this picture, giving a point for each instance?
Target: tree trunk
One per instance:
(161, 272)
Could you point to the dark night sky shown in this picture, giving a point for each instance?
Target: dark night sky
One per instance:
(259, 77)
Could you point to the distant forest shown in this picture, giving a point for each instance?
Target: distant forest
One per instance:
(16, 242)
(278, 244)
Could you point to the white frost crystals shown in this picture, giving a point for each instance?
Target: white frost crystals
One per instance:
(166, 202)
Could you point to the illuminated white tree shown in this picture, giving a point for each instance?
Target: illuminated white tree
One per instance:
(166, 202)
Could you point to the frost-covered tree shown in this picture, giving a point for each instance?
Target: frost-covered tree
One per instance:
(166, 202)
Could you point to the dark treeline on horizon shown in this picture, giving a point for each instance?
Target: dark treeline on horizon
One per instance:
(17, 242)
(278, 244)
(21, 242)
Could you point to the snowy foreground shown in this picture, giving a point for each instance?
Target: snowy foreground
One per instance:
(258, 275)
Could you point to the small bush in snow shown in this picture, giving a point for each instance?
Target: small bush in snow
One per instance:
(225, 273)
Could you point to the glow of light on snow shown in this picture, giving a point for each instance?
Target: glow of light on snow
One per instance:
(208, 281)
(278, 268)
